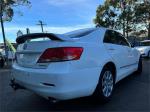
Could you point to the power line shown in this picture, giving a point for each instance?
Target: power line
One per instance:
(42, 25)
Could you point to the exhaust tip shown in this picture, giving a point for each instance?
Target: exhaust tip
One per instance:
(52, 100)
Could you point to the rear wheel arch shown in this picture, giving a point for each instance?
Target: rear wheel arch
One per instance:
(99, 93)
(113, 68)
(148, 54)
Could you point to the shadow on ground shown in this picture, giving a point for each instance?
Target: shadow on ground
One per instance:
(130, 94)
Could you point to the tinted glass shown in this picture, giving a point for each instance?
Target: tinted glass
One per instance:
(121, 40)
(115, 38)
(110, 37)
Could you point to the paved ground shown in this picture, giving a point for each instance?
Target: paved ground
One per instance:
(131, 94)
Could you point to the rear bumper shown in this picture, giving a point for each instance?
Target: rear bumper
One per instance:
(61, 86)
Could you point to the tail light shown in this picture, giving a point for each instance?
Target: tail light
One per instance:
(60, 54)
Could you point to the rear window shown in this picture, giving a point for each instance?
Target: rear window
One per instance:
(78, 34)
(38, 39)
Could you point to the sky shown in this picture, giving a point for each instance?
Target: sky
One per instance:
(60, 16)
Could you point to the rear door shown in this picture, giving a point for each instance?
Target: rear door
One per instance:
(131, 58)
(116, 51)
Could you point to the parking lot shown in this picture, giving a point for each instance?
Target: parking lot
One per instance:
(131, 94)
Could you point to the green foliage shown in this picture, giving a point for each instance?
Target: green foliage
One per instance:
(134, 16)
(7, 7)
(105, 14)
(142, 16)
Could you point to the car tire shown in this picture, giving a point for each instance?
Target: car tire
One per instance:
(1, 63)
(105, 87)
(140, 66)
(148, 54)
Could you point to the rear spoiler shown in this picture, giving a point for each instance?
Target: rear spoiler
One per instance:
(59, 37)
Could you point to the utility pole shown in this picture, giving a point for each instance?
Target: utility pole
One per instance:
(41, 24)
(3, 31)
(28, 30)
(149, 31)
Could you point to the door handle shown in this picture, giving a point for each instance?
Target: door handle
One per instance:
(129, 51)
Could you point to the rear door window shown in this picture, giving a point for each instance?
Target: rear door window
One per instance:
(114, 37)
(110, 37)
(121, 40)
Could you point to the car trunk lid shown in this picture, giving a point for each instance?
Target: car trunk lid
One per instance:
(32, 46)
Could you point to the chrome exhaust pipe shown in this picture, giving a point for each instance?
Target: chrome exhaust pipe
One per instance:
(52, 100)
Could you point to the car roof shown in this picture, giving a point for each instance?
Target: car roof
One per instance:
(75, 33)
(87, 29)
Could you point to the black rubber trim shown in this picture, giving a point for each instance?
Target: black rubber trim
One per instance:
(129, 65)
(47, 84)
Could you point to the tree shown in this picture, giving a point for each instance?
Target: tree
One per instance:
(116, 15)
(142, 12)
(128, 15)
(105, 15)
(7, 7)
(6, 14)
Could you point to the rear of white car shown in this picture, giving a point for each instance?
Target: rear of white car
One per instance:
(69, 66)
(61, 69)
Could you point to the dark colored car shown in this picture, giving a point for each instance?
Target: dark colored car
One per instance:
(2, 60)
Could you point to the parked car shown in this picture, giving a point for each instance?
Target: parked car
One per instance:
(11, 54)
(144, 48)
(2, 60)
(76, 64)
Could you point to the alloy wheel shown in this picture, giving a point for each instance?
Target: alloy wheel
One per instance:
(107, 83)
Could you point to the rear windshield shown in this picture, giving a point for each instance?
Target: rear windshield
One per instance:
(79, 33)
(38, 39)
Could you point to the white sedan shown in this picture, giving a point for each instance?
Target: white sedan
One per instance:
(144, 48)
(76, 64)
